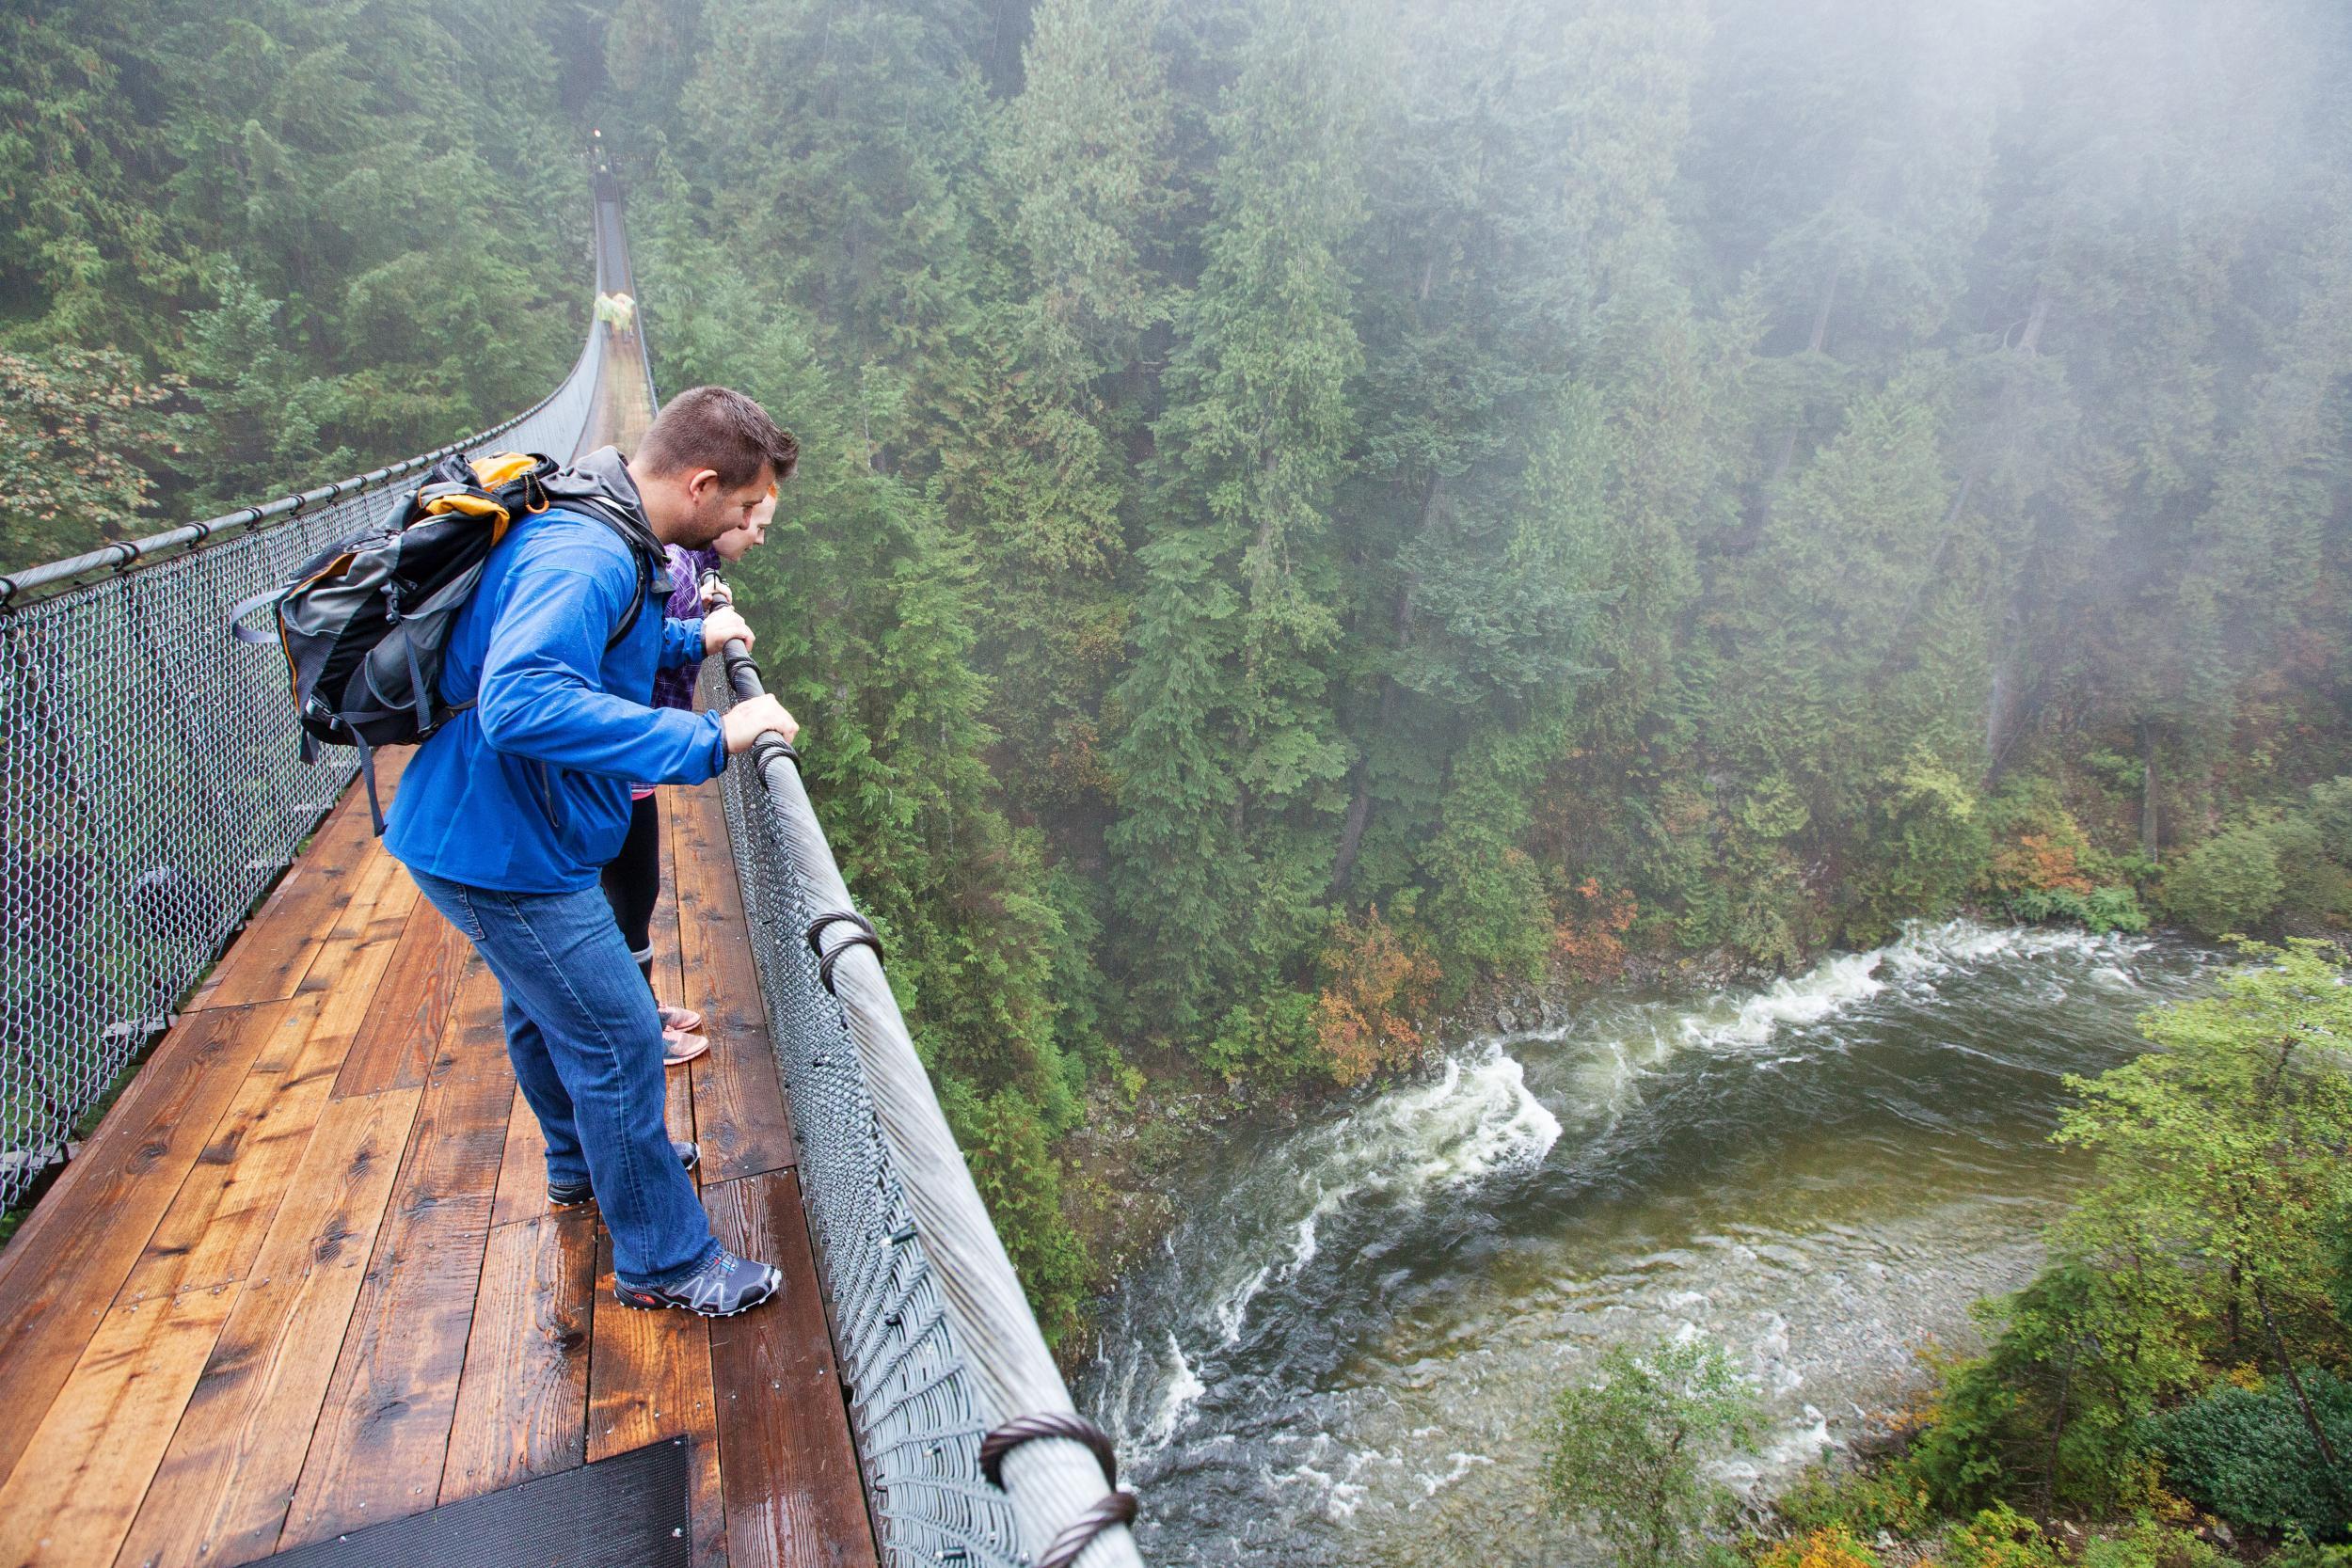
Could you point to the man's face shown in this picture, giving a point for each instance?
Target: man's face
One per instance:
(715, 509)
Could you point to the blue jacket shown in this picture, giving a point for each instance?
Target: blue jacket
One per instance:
(528, 791)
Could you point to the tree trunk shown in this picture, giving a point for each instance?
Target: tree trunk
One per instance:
(2031, 341)
(2295, 1381)
(2058, 1430)
(1360, 805)
(1815, 346)
(2148, 789)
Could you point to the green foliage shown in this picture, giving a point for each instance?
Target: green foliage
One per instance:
(1927, 846)
(1021, 1181)
(2098, 911)
(1828, 1546)
(1999, 1537)
(1628, 1452)
(2248, 1455)
(1271, 1045)
(73, 427)
(2302, 1552)
(2330, 808)
(1832, 1494)
(2210, 1237)
(2146, 1544)
(2229, 883)
(353, 231)
(2312, 888)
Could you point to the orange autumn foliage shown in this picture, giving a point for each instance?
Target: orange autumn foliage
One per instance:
(1831, 1546)
(1377, 986)
(1590, 943)
(2039, 862)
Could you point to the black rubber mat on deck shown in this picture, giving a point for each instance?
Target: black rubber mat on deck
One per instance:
(626, 1512)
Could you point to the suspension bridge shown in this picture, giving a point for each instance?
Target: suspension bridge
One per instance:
(298, 1292)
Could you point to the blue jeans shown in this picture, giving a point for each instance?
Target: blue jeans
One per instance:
(586, 1044)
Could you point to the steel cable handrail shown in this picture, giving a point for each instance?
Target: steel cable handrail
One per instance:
(1064, 1509)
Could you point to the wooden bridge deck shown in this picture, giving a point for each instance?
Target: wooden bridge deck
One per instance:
(304, 1279)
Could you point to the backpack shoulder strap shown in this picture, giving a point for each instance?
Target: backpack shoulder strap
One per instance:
(636, 603)
(590, 506)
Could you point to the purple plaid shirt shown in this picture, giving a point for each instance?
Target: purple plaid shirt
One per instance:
(676, 688)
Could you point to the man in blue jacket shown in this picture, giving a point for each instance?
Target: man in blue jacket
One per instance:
(508, 814)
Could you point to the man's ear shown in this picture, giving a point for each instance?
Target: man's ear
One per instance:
(701, 484)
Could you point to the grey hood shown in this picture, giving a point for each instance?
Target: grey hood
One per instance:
(599, 484)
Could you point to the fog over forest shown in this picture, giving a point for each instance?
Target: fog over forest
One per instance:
(1315, 515)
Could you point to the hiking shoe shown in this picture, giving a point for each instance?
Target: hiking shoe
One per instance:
(571, 1194)
(719, 1288)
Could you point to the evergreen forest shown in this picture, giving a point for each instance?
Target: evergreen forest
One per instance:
(1316, 513)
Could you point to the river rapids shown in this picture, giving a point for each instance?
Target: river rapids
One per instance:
(1344, 1351)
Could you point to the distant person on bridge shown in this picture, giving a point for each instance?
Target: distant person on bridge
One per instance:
(508, 815)
(633, 882)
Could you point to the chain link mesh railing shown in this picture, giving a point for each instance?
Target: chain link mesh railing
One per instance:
(936, 1341)
(151, 785)
(918, 1427)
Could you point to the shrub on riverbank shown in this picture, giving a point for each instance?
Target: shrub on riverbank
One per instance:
(2043, 868)
(2186, 1342)
(2248, 1454)
(1632, 1451)
(2230, 882)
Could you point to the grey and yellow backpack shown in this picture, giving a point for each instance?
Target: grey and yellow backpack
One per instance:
(364, 624)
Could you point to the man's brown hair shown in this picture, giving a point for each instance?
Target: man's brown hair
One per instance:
(719, 429)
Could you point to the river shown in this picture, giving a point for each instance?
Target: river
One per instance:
(1343, 1353)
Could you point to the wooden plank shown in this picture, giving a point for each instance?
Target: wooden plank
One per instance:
(740, 1116)
(793, 1495)
(359, 949)
(385, 1429)
(222, 1491)
(412, 1006)
(669, 977)
(78, 1486)
(522, 1404)
(61, 1271)
(219, 1218)
(221, 1211)
(649, 1378)
(522, 1190)
(270, 957)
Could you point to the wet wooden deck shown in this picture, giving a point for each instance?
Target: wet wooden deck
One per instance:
(304, 1279)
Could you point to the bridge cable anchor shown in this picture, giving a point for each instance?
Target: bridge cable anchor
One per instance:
(1115, 1508)
(865, 936)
